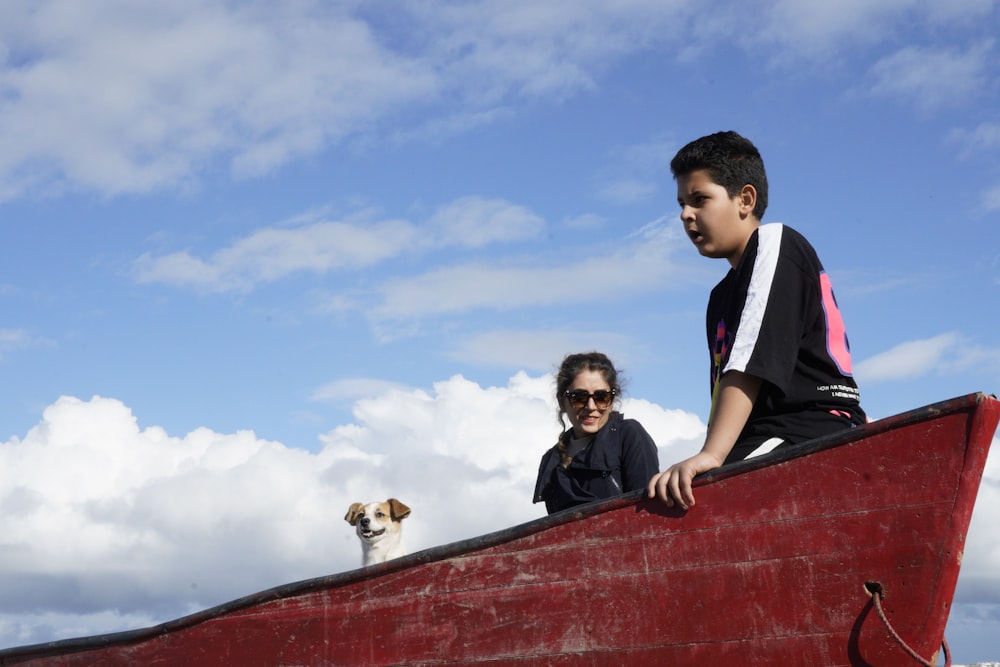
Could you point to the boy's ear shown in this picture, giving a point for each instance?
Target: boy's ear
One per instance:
(747, 197)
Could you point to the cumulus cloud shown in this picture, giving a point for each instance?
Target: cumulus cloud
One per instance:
(107, 525)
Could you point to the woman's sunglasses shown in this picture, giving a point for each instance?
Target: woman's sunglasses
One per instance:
(578, 398)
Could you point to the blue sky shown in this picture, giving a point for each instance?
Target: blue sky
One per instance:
(352, 243)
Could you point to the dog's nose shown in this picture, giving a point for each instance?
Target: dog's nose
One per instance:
(364, 522)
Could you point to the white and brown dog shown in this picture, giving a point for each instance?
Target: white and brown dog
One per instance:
(380, 528)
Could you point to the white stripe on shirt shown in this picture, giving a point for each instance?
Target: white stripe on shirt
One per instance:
(765, 447)
(758, 291)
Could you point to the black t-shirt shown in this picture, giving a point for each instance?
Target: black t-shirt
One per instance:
(775, 317)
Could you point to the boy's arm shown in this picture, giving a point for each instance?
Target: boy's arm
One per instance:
(737, 393)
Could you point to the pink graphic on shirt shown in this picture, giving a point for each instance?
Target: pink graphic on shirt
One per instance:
(719, 351)
(836, 333)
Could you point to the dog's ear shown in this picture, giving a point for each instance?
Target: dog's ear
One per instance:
(353, 512)
(399, 510)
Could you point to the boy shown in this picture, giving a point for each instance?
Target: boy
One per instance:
(781, 364)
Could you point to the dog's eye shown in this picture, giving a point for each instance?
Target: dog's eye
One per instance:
(380, 515)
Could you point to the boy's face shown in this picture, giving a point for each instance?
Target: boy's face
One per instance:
(719, 225)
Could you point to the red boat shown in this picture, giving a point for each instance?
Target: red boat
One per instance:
(843, 551)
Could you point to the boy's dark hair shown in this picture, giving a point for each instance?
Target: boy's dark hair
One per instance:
(731, 160)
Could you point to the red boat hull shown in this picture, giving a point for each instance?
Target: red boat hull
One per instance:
(769, 568)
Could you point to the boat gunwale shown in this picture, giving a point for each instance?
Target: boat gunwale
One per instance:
(956, 405)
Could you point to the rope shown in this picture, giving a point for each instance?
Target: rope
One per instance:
(875, 591)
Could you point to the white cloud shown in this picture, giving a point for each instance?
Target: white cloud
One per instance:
(677, 434)
(627, 191)
(943, 354)
(816, 27)
(495, 49)
(642, 262)
(981, 140)
(270, 254)
(113, 98)
(110, 97)
(907, 360)
(991, 199)
(825, 30)
(932, 78)
(983, 137)
(474, 222)
(471, 286)
(12, 339)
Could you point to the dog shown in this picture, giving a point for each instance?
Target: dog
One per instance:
(379, 527)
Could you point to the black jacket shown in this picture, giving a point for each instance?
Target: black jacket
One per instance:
(621, 458)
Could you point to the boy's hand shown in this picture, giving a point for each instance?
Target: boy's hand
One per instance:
(737, 394)
(673, 485)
